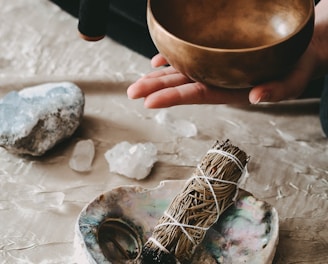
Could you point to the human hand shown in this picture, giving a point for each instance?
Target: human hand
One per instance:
(167, 87)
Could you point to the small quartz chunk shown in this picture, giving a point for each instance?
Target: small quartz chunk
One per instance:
(133, 161)
(180, 127)
(35, 119)
(82, 157)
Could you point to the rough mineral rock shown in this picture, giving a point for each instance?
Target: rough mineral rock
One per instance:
(133, 161)
(36, 118)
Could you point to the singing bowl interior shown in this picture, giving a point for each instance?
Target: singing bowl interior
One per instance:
(231, 38)
(114, 226)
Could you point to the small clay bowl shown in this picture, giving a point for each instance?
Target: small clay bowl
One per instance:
(232, 44)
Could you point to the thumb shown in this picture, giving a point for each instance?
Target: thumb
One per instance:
(289, 87)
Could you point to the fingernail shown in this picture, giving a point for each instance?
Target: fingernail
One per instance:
(265, 97)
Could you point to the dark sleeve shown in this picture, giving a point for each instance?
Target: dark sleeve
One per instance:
(324, 101)
(324, 107)
(122, 20)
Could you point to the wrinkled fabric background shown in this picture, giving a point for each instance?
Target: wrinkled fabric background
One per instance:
(40, 198)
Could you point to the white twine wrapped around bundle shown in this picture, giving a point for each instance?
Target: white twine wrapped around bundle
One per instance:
(212, 188)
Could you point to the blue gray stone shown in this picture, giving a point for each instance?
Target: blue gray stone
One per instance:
(35, 119)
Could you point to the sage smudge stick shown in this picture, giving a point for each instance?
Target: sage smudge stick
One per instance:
(212, 188)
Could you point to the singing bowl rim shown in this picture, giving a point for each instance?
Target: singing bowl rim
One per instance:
(300, 27)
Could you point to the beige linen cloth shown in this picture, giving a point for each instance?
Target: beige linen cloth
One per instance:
(40, 198)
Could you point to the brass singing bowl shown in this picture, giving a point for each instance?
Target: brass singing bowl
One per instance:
(231, 44)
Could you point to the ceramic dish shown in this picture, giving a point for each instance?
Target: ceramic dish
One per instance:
(115, 225)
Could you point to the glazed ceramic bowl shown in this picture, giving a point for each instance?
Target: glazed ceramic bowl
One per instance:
(114, 227)
(232, 44)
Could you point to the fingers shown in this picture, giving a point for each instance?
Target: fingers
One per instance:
(167, 87)
(162, 72)
(158, 60)
(164, 78)
(195, 93)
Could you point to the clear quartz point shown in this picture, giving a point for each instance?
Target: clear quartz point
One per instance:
(82, 156)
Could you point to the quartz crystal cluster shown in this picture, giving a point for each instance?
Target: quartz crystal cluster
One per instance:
(134, 161)
(35, 119)
(180, 127)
